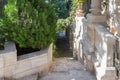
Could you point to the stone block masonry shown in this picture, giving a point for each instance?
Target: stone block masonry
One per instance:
(13, 67)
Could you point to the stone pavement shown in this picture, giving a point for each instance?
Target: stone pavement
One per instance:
(66, 68)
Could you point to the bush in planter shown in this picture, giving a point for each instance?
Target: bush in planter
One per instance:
(29, 23)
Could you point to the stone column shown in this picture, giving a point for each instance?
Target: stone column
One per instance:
(95, 10)
(95, 7)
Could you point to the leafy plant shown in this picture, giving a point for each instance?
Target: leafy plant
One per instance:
(77, 4)
(81, 1)
(2, 39)
(62, 24)
(62, 8)
(55, 54)
(29, 23)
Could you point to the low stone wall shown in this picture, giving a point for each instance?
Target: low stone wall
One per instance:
(13, 67)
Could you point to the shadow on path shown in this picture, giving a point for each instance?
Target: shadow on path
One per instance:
(63, 46)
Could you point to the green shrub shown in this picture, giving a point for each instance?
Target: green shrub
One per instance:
(62, 24)
(29, 23)
(77, 4)
(55, 54)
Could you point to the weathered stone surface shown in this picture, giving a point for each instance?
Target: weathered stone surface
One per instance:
(26, 73)
(95, 4)
(9, 54)
(40, 70)
(36, 62)
(77, 35)
(22, 66)
(115, 24)
(30, 77)
(96, 36)
(105, 44)
(50, 54)
(96, 18)
(105, 49)
(10, 59)
(89, 63)
(88, 37)
(39, 61)
(118, 50)
(114, 11)
(111, 43)
(68, 69)
(1, 73)
(9, 70)
(1, 61)
(110, 74)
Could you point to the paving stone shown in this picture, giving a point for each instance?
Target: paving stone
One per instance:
(68, 69)
(31, 77)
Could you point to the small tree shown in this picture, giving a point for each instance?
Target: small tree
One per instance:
(29, 23)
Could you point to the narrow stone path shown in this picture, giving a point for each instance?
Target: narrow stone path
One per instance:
(66, 68)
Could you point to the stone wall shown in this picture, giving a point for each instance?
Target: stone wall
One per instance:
(13, 67)
(114, 12)
(94, 44)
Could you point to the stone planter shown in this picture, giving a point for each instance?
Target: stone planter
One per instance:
(13, 67)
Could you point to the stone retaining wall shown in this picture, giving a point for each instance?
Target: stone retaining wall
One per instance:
(13, 67)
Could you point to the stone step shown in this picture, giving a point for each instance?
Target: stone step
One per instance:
(68, 69)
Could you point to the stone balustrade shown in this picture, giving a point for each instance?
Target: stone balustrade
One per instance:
(97, 50)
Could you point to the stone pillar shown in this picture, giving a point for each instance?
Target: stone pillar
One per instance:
(95, 6)
(79, 15)
(95, 10)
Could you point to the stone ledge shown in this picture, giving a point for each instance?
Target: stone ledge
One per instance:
(96, 18)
